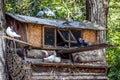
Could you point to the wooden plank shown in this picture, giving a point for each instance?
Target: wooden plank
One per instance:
(55, 34)
(87, 48)
(70, 65)
(43, 36)
(16, 40)
(34, 34)
(90, 36)
(67, 74)
(27, 32)
(33, 60)
(54, 77)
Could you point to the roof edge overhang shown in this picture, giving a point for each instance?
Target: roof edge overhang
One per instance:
(55, 23)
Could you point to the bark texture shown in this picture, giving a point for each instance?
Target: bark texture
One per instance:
(2, 59)
(2, 44)
(96, 12)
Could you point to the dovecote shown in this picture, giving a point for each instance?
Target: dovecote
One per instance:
(51, 33)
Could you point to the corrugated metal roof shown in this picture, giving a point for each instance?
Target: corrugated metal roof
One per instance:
(56, 23)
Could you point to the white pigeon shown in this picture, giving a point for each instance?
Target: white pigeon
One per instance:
(11, 33)
(49, 12)
(53, 58)
(57, 59)
(49, 59)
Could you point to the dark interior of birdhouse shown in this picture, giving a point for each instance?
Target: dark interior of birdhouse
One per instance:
(77, 34)
(62, 38)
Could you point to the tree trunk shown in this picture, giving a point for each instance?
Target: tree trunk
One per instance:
(2, 44)
(97, 13)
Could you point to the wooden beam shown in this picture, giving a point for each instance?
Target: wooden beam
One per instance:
(67, 74)
(55, 37)
(69, 77)
(69, 65)
(10, 38)
(87, 48)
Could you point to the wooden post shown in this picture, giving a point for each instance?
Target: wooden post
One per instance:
(2, 58)
(2, 44)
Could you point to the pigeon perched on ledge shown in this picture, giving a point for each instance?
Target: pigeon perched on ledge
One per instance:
(83, 42)
(71, 20)
(52, 58)
(45, 11)
(49, 59)
(40, 13)
(11, 33)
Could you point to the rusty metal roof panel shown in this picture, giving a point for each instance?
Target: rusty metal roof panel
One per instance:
(55, 23)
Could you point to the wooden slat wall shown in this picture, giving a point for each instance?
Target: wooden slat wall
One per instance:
(90, 36)
(22, 31)
(34, 34)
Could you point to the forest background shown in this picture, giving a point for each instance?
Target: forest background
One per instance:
(77, 8)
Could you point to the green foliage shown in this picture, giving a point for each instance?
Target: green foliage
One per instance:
(67, 8)
(113, 36)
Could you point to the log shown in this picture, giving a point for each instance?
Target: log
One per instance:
(87, 48)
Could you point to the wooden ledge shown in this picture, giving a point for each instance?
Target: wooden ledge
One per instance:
(71, 65)
(53, 77)
(87, 48)
(66, 74)
(10, 38)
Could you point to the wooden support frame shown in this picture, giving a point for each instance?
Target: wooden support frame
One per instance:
(72, 35)
(69, 33)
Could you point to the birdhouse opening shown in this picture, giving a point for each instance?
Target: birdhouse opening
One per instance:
(49, 36)
(77, 34)
(63, 35)
(65, 38)
(60, 41)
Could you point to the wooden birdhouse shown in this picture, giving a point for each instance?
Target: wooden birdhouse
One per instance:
(51, 33)
(63, 39)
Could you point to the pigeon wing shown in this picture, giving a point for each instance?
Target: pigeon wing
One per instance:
(40, 13)
(16, 35)
(50, 58)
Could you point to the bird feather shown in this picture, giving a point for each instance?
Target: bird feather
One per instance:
(11, 33)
